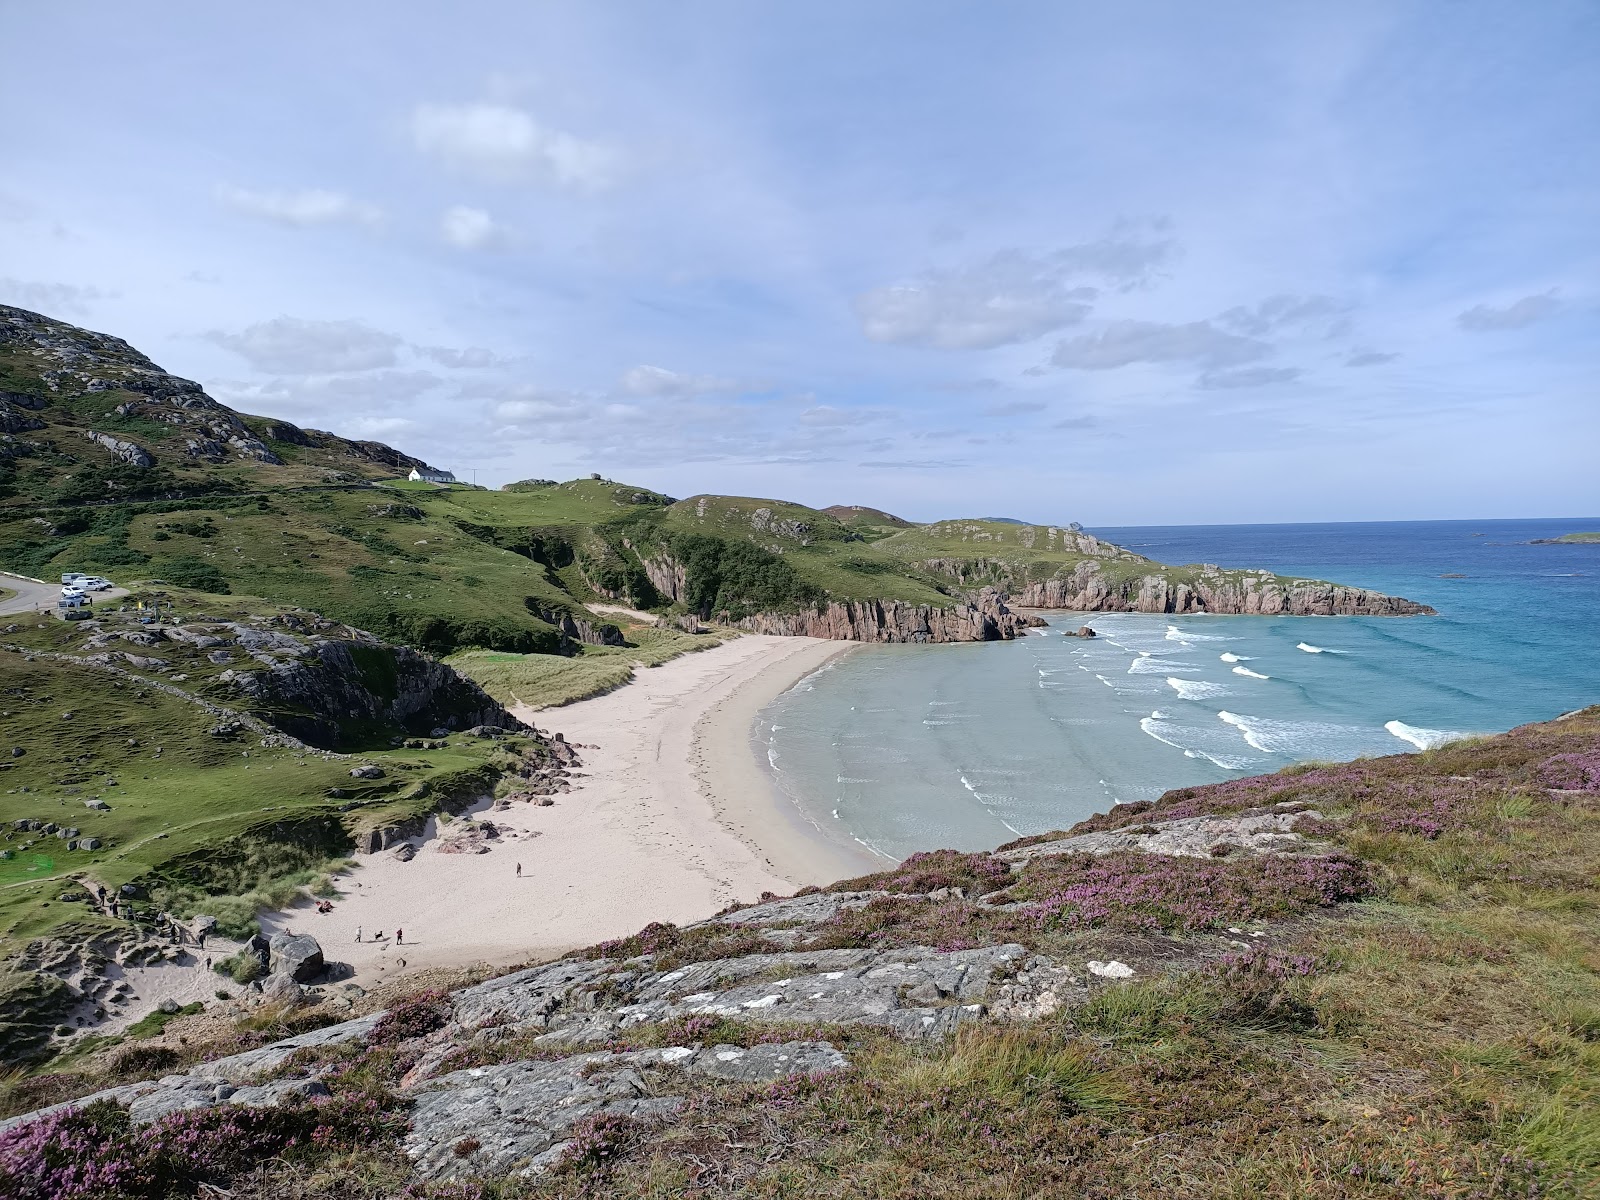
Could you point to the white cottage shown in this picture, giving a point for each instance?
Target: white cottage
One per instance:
(430, 475)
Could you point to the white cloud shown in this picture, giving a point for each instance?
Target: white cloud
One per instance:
(290, 346)
(1014, 408)
(310, 206)
(50, 299)
(1012, 297)
(326, 396)
(1125, 342)
(1246, 377)
(470, 358)
(504, 143)
(647, 380)
(468, 228)
(1483, 318)
(1282, 312)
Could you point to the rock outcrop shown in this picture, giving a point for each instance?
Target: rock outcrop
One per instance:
(985, 618)
(334, 681)
(1088, 588)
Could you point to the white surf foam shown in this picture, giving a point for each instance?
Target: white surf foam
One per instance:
(1422, 739)
(1310, 649)
(1157, 666)
(1299, 739)
(1226, 656)
(1246, 671)
(1169, 734)
(1195, 689)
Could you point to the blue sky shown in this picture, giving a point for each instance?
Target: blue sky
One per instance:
(1121, 264)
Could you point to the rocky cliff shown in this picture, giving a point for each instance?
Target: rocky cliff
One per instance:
(336, 686)
(1088, 588)
(985, 618)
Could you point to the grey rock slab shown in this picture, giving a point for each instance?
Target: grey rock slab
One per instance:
(515, 1117)
(1187, 837)
(298, 956)
(809, 910)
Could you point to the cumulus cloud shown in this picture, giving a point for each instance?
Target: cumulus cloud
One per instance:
(330, 395)
(1281, 312)
(470, 358)
(290, 346)
(1369, 358)
(468, 228)
(1014, 408)
(647, 380)
(1122, 343)
(827, 416)
(1247, 377)
(507, 144)
(1013, 297)
(50, 298)
(1483, 318)
(310, 206)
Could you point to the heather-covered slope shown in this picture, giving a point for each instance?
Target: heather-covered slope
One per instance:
(1375, 979)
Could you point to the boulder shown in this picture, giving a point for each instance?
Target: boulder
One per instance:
(298, 956)
(281, 991)
(369, 771)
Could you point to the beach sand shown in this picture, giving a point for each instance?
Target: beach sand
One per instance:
(671, 818)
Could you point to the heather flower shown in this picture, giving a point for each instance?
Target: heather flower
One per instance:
(414, 1017)
(1579, 772)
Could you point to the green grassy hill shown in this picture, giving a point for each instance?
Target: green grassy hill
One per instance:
(111, 465)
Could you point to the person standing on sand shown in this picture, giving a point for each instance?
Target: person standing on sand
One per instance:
(358, 933)
(399, 937)
(519, 870)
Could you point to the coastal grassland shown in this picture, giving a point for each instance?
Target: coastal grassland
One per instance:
(1573, 539)
(175, 792)
(379, 563)
(551, 680)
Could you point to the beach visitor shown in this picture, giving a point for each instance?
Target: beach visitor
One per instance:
(519, 870)
(358, 933)
(399, 937)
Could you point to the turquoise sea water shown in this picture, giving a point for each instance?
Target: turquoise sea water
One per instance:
(904, 748)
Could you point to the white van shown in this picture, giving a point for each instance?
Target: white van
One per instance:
(95, 583)
(74, 577)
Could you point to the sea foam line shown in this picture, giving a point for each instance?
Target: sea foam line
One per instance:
(1246, 671)
(1195, 689)
(1422, 739)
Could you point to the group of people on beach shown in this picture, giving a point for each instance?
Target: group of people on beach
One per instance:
(399, 936)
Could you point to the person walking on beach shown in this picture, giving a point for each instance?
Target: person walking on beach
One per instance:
(519, 870)
(358, 933)
(399, 937)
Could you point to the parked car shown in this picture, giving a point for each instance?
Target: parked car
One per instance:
(95, 583)
(73, 577)
(73, 600)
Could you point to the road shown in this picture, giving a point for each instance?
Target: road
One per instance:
(32, 597)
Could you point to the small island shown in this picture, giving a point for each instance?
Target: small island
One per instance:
(1569, 539)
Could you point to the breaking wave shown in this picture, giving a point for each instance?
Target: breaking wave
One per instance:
(1195, 689)
(1246, 671)
(1422, 739)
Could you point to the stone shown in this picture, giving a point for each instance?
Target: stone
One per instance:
(90, 843)
(1111, 970)
(369, 771)
(298, 956)
(97, 804)
(1186, 837)
(168, 1006)
(281, 991)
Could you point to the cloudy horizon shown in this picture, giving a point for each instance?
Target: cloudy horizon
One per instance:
(1144, 265)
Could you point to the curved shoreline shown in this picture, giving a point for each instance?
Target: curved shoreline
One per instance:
(671, 818)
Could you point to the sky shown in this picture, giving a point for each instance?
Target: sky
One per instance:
(1141, 263)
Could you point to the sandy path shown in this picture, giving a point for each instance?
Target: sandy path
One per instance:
(674, 819)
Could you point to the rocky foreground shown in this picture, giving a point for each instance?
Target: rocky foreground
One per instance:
(1373, 979)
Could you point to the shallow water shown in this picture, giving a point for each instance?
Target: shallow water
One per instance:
(910, 747)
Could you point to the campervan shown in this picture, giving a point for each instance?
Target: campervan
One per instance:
(73, 577)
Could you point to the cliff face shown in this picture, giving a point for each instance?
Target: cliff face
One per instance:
(1089, 589)
(339, 683)
(983, 619)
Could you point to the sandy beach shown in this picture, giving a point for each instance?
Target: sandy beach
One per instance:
(671, 818)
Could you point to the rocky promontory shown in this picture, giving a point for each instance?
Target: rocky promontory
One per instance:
(1088, 588)
(985, 618)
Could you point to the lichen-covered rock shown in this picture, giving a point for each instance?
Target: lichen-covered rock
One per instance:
(514, 1117)
(299, 956)
(1188, 837)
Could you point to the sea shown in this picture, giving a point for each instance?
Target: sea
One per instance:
(901, 748)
